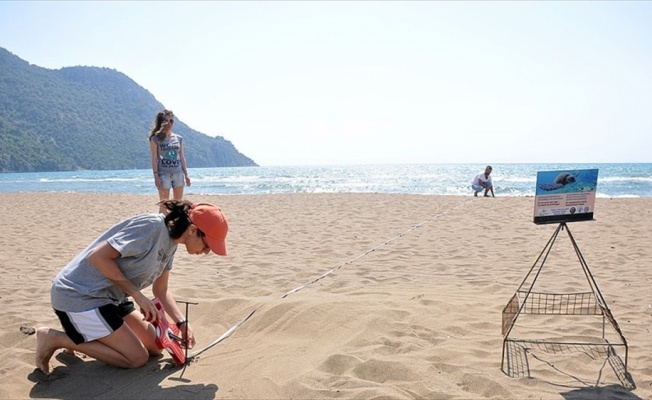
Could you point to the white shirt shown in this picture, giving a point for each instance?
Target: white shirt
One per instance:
(482, 178)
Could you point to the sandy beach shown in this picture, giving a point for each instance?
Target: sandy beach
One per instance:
(410, 305)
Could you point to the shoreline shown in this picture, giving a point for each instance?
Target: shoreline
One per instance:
(614, 180)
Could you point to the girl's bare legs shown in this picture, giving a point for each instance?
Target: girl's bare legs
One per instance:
(122, 348)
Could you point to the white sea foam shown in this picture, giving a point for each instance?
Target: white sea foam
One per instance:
(614, 180)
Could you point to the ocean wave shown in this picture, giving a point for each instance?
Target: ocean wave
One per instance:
(514, 180)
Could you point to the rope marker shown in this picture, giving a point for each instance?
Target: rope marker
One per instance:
(242, 321)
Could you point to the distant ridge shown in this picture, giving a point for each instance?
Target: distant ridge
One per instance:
(92, 118)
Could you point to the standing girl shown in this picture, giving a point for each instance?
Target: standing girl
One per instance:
(168, 160)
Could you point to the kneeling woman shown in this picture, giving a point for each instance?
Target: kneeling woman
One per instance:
(91, 295)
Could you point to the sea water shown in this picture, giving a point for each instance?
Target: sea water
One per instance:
(614, 180)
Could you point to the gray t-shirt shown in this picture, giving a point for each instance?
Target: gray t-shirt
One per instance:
(169, 154)
(146, 250)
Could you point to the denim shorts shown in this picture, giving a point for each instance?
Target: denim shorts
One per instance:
(172, 180)
(479, 188)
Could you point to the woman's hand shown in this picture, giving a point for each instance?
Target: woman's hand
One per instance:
(147, 307)
(187, 334)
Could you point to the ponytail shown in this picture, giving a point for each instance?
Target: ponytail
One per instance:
(177, 218)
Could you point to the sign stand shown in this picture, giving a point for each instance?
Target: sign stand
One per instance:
(527, 301)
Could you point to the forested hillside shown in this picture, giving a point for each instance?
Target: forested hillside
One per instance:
(87, 118)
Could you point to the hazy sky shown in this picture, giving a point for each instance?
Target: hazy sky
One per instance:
(314, 83)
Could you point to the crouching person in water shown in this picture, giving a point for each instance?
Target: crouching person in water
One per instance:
(92, 294)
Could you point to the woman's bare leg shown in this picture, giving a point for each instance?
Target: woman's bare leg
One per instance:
(177, 192)
(163, 194)
(121, 348)
(144, 330)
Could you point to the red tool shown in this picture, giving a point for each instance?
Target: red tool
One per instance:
(168, 336)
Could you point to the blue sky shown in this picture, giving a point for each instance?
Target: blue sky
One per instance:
(315, 83)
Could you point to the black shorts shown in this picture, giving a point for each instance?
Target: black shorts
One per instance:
(86, 326)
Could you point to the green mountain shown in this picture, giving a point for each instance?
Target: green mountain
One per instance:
(87, 118)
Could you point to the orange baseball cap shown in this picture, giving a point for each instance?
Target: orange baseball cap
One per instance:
(212, 222)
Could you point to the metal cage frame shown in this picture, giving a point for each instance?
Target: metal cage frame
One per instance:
(526, 301)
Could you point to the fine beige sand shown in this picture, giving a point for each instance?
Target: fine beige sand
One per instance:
(412, 306)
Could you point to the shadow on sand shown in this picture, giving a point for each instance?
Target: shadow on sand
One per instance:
(81, 379)
(520, 357)
(611, 392)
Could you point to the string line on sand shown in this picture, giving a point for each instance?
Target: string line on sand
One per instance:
(322, 276)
